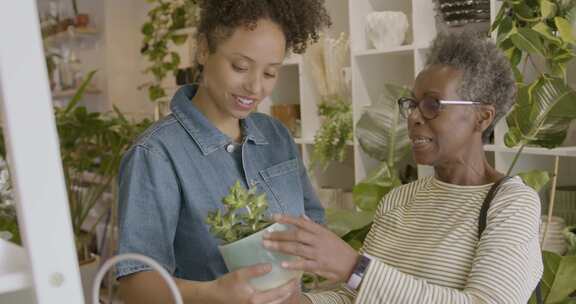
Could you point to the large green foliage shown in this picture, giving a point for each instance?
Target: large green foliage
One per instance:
(543, 113)
(91, 147)
(383, 135)
(558, 281)
(539, 35)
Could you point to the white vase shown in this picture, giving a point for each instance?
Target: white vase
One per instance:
(386, 29)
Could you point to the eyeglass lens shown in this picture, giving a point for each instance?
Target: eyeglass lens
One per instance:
(429, 107)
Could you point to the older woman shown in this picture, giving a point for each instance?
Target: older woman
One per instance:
(424, 245)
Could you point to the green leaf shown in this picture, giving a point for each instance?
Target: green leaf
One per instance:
(528, 40)
(342, 221)
(500, 17)
(179, 39)
(525, 13)
(535, 179)
(547, 9)
(543, 113)
(79, 92)
(558, 281)
(355, 238)
(381, 131)
(368, 193)
(505, 30)
(156, 92)
(543, 29)
(147, 29)
(565, 30)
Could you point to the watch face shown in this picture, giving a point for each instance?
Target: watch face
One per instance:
(363, 263)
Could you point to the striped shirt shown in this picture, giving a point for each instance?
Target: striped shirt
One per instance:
(425, 245)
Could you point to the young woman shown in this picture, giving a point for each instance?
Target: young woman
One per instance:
(182, 167)
(424, 245)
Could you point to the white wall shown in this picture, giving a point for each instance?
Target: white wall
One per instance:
(124, 63)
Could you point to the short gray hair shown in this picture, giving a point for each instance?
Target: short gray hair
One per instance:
(487, 75)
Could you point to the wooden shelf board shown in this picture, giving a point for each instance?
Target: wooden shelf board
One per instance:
(310, 141)
(560, 151)
(77, 32)
(70, 92)
(186, 31)
(294, 59)
(397, 49)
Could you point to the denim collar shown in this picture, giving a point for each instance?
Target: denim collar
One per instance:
(204, 133)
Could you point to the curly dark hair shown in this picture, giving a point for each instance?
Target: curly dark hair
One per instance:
(300, 20)
(487, 75)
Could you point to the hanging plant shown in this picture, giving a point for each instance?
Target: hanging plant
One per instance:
(334, 133)
(161, 30)
(327, 60)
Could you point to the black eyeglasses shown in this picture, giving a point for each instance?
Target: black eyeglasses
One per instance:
(429, 107)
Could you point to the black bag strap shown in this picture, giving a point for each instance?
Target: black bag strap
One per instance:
(486, 204)
(483, 218)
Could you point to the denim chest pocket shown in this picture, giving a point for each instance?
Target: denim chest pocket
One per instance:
(284, 185)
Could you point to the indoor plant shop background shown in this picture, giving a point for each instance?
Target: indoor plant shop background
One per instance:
(128, 88)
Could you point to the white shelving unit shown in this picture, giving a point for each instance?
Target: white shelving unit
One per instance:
(45, 269)
(370, 70)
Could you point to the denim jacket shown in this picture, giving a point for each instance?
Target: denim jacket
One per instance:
(182, 167)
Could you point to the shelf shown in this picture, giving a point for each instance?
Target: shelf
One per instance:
(14, 270)
(560, 151)
(304, 141)
(71, 34)
(397, 49)
(310, 141)
(70, 92)
(185, 31)
(294, 59)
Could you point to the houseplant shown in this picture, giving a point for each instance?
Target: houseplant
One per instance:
(240, 225)
(164, 19)
(538, 38)
(327, 59)
(81, 19)
(382, 134)
(91, 146)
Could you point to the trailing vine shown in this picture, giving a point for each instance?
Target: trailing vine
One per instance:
(165, 19)
(336, 129)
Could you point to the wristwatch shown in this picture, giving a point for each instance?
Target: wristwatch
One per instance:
(358, 272)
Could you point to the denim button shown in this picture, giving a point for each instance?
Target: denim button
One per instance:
(230, 148)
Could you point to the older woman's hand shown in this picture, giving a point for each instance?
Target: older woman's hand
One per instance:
(322, 251)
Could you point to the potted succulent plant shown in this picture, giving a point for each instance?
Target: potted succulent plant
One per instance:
(240, 226)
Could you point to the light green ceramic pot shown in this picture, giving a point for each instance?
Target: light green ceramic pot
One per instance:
(249, 251)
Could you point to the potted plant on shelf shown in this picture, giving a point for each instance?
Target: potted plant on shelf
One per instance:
(240, 225)
(81, 20)
(382, 134)
(328, 59)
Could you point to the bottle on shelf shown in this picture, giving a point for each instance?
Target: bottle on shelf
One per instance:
(66, 73)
